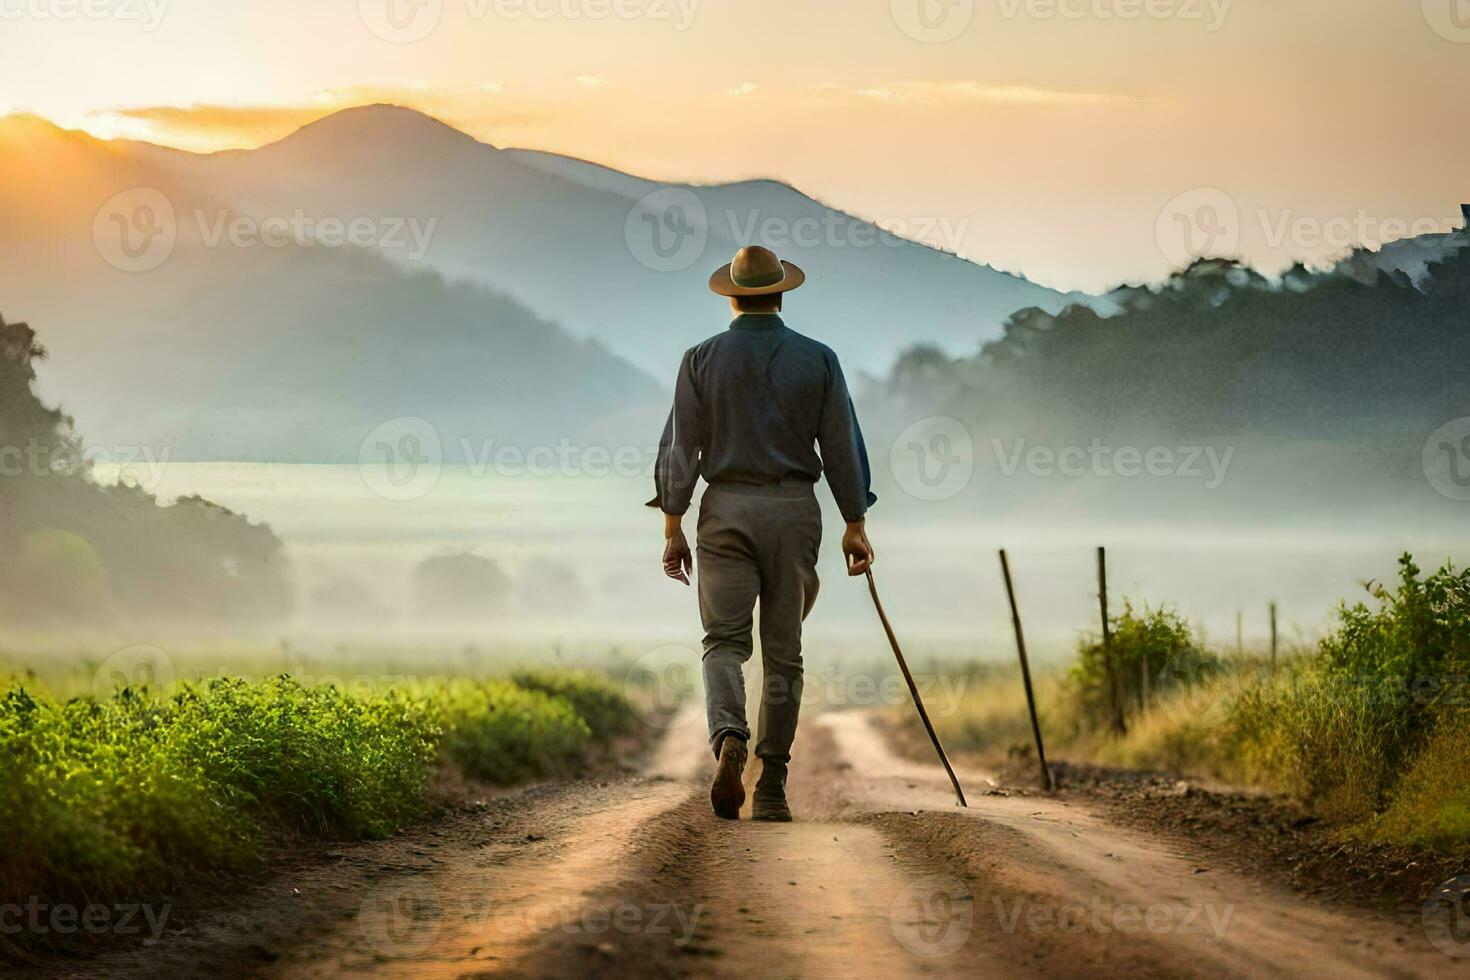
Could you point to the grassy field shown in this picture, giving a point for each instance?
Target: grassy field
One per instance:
(137, 793)
(1369, 727)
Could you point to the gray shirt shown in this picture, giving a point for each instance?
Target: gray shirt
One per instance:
(752, 405)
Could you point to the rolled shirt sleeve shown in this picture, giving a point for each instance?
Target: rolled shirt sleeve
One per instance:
(677, 468)
(844, 453)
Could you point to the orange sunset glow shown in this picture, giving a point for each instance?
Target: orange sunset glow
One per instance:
(1054, 134)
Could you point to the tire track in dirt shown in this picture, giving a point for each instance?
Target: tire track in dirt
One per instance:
(477, 908)
(881, 876)
(1084, 873)
(885, 876)
(843, 892)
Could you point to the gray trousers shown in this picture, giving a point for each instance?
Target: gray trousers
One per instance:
(756, 544)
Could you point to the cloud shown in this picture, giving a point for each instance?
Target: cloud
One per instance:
(210, 127)
(957, 92)
(482, 112)
(593, 81)
(744, 88)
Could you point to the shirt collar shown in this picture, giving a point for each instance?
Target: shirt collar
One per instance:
(756, 321)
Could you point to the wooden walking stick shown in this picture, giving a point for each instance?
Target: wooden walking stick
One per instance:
(1005, 568)
(914, 690)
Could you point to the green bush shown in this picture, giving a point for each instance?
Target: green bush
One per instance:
(1418, 637)
(1152, 652)
(602, 706)
(135, 793)
(500, 732)
(125, 794)
(1341, 730)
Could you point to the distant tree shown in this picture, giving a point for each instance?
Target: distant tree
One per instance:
(81, 554)
(461, 586)
(1219, 351)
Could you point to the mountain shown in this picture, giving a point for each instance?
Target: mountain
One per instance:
(1323, 387)
(178, 326)
(1411, 256)
(574, 240)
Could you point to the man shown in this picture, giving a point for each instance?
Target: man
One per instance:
(752, 406)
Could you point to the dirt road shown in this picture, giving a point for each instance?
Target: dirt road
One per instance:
(881, 876)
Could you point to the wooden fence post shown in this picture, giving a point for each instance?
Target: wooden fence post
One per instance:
(1005, 568)
(1273, 637)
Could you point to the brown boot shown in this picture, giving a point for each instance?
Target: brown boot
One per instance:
(769, 802)
(727, 794)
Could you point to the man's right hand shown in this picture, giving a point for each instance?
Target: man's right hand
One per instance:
(678, 561)
(857, 548)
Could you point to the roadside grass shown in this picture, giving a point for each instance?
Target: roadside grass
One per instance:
(1369, 728)
(1431, 804)
(135, 794)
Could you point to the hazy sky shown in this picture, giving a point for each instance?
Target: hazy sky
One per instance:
(1074, 140)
